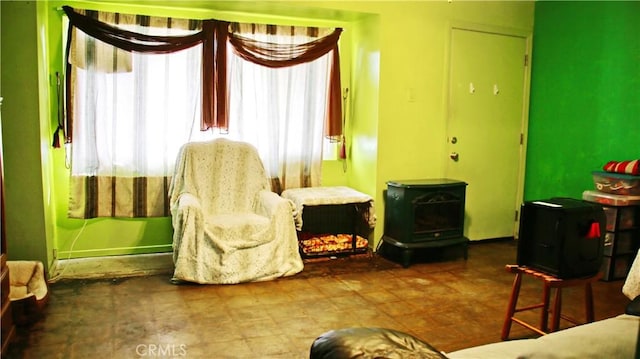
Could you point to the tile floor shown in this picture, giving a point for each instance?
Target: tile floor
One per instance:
(443, 299)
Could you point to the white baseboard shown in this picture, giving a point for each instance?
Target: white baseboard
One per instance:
(112, 266)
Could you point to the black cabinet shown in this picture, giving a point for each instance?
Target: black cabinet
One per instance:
(562, 237)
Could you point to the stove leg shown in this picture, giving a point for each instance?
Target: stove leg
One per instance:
(406, 257)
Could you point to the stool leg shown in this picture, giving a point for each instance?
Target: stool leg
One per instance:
(511, 309)
(557, 310)
(544, 316)
(588, 301)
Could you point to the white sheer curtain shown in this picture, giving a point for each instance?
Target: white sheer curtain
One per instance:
(132, 113)
(281, 110)
(132, 123)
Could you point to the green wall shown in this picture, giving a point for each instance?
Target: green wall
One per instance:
(396, 48)
(27, 162)
(585, 97)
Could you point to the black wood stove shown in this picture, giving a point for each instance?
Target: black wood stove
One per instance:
(424, 214)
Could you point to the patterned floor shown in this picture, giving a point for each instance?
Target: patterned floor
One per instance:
(441, 298)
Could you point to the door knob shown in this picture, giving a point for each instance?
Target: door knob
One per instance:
(454, 156)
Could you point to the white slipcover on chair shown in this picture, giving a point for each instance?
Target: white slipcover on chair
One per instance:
(229, 227)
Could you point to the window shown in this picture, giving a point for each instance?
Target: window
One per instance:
(132, 111)
(281, 110)
(132, 123)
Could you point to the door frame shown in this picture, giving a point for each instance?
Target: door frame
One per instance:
(524, 123)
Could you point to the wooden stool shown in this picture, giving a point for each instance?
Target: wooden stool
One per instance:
(549, 282)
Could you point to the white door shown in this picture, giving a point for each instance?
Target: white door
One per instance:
(485, 126)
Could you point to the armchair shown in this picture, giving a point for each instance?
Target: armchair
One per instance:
(229, 227)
